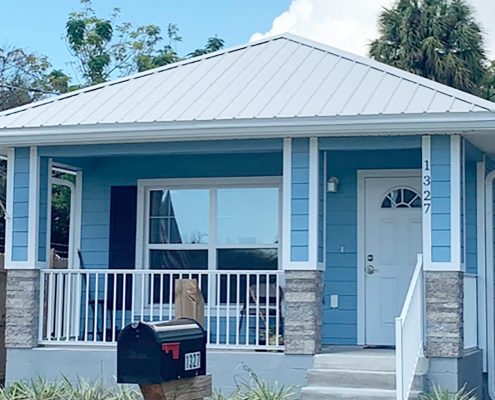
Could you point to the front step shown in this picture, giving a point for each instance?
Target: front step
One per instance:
(357, 379)
(326, 393)
(356, 360)
(350, 373)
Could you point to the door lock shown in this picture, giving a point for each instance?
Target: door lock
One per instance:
(369, 257)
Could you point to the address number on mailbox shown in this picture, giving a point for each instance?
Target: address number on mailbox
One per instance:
(192, 361)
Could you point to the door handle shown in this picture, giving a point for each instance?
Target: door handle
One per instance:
(370, 270)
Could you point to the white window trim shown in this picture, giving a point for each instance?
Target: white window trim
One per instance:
(142, 226)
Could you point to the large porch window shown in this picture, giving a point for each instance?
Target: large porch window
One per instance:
(219, 226)
(212, 225)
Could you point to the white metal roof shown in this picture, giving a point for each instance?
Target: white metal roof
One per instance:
(282, 77)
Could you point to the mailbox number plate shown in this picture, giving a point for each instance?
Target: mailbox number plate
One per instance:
(193, 361)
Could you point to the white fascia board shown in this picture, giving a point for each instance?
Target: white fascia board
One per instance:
(379, 125)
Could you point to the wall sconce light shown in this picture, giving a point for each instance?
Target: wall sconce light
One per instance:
(333, 185)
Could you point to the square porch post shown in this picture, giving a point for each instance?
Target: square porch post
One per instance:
(451, 366)
(25, 245)
(302, 246)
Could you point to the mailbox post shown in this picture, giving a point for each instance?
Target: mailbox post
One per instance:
(164, 357)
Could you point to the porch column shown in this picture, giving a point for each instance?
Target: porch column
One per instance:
(25, 244)
(444, 264)
(302, 247)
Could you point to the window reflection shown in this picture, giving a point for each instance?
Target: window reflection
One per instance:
(179, 216)
(247, 216)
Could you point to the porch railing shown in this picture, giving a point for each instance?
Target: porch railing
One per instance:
(409, 333)
(243, 310)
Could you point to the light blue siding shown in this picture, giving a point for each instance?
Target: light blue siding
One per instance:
(321, 205)
(300, 200)
(99, 174)
(43, 209)
(20, 204)
(440, 199)
(340, 325)
(472, 156)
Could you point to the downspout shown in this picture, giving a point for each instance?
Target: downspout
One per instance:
(489, 274)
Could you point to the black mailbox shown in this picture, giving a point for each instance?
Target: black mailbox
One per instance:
(151, 353)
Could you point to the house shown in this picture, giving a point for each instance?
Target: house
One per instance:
(322, 201)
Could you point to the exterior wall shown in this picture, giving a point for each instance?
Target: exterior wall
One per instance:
(20, 207)
(300, 200)
(225, 366)
(99, 174)
(340, 324)
(440, 199)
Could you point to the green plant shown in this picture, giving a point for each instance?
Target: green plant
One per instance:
(253, 388)
(437, 393)
(36, 389)
(40, 389)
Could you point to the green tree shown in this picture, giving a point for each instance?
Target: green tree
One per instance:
(437, 39)
(213, 44)
(26, 77)
(488, 88)
(105, 47)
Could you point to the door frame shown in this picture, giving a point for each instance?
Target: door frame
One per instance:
(362, 174)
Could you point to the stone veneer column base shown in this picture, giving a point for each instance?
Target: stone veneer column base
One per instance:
(303, 312)
(444, 292)
(22, 306)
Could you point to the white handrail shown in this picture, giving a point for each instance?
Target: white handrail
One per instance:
(409, 333)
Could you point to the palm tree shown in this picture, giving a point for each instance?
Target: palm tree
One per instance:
(437, 39)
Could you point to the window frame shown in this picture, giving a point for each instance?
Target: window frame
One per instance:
(145, 186)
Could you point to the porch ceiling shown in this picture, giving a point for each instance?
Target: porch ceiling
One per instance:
(484, 141)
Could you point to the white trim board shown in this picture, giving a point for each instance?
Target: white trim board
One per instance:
(361, 221)
(480, 222)
(455, 202)
(426, 186)
(9, 208)
(286, 201)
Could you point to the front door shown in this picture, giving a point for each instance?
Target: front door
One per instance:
(392, 242)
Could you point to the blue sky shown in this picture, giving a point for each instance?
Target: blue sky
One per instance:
(38, 25)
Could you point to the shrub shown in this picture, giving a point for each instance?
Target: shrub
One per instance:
(254, 388)
(40, 389)
(437, 393)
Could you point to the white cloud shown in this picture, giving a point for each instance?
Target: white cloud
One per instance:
(351, 24)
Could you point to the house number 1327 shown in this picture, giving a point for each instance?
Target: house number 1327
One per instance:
(427, 187)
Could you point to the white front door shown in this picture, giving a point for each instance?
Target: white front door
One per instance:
(392, 242)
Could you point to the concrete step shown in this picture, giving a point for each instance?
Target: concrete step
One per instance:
(357, 379)
(372, 361)
(327, 393)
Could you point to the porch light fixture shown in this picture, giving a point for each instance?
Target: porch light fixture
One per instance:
(333, 185)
